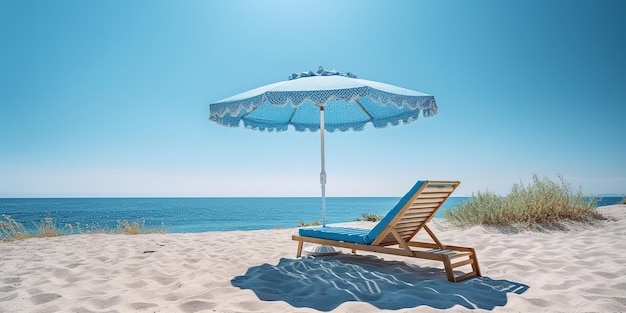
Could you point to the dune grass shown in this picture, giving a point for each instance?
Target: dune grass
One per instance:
(623, 200)
(541, 203)
(305, 224)
(11, 230)
(369, 217)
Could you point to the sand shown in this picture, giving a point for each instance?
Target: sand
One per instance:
(581, 269)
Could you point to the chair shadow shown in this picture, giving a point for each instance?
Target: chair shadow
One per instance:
(324, 283)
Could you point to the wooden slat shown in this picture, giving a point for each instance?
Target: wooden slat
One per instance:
(432, 188)
(418, 244)
(429, 200)
(412, 220)
(416, 212)
(388, 240)
(424, 205)
(459, 264)
(459, 254)
(415, 222)
(434, 194)
(464, 277)
(411, 226)
(419, 213)
(406, 234)
(405, 231)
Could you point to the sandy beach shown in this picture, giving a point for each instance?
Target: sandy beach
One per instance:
(582, 269)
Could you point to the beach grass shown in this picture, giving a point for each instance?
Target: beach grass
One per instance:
(305, 224)
(47, 228)
(623, 200)
(138, 227)
(11, 230)
(369, 217)
(540, 203)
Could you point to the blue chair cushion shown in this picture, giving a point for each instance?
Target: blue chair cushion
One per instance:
(346, 234)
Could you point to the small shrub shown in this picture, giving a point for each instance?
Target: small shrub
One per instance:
(368, 217)
(304, 224)
(623, 200)
(543, 202)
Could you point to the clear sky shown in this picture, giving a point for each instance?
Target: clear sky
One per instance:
(111, 98)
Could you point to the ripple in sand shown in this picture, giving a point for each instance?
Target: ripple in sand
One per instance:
(192, 261)
(165, 281)
(172, 297)
(605, 292)
(133, 268)
(105, 303)
(608, 275)
(60, 272)
(102, 259)
(562, 286)
(9, 297)
(141, 305)
(137, 284)
(12, 280)
(44, 298)
(74, 265)
(539, 303)
(34, 291)
(196, 305)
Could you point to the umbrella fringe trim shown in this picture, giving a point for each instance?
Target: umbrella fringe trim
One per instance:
(235, 108)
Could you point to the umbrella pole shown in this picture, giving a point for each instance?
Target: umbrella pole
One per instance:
(323, 172)
(322, 250)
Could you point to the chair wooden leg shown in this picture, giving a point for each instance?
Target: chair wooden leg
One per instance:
(447, 264)
(475, 265)
(471, 261)
(299, 253)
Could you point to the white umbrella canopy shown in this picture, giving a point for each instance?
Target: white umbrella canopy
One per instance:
(326, 100)
(350, 103)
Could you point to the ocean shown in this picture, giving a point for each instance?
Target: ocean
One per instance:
(183, 215)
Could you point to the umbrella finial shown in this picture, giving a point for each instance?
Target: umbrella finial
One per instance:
(321, 72)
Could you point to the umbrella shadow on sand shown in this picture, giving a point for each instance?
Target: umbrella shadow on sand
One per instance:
(324, 283)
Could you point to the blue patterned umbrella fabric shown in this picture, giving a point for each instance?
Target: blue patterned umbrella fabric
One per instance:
(326, 100)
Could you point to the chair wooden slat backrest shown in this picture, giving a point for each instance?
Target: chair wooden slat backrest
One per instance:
(418, 210)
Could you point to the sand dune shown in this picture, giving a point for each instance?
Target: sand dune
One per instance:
(582, 269)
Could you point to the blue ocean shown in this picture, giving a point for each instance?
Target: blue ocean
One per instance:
(182, 215)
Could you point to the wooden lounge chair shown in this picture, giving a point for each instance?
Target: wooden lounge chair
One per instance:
(393, 233)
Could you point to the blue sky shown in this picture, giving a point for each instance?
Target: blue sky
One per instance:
(111, 98)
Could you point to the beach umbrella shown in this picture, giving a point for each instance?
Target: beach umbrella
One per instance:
(322, 100)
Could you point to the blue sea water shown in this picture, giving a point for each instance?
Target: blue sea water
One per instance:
(180, 215)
